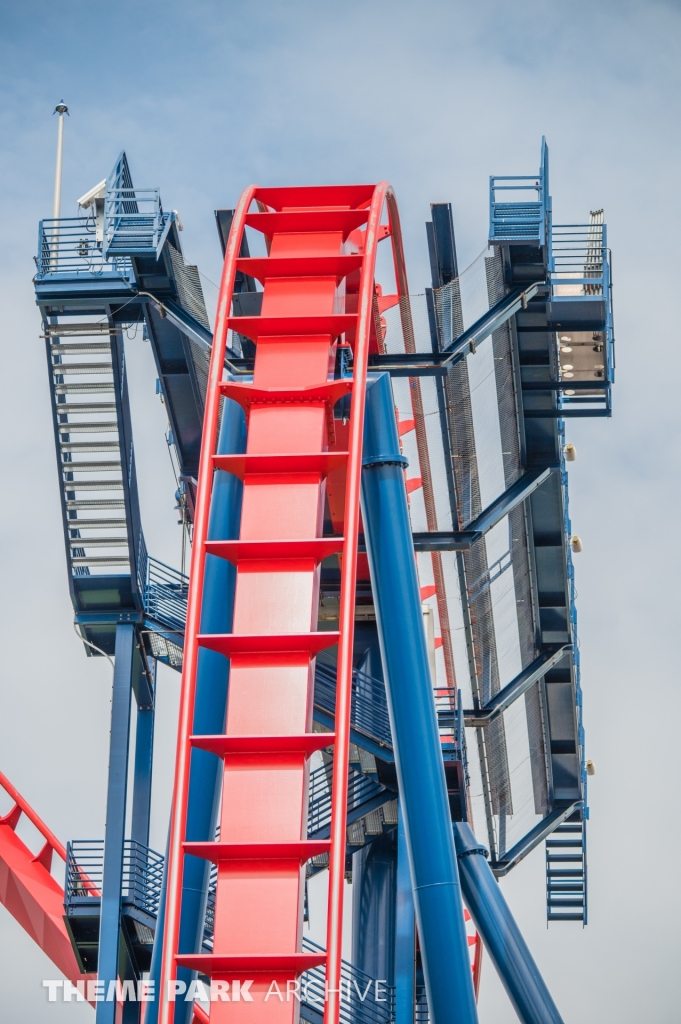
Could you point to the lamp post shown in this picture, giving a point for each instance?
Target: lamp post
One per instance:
(60, 109)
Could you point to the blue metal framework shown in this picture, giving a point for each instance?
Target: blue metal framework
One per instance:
(119, 268)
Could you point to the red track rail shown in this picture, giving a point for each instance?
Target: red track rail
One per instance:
(267, 742)
(28, 890)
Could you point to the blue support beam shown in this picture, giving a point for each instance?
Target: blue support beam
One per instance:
(209, 708)
(461, 540)
(500, 934)
(408, 365)
(418, 755)
(109, 925)
(141, 793)
(405, 932)
(534, 837)
(517, 687)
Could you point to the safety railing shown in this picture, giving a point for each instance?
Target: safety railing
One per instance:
(142, 874)
(364, 1000)
(134, 221)
(364, 795)
(525, 219)
(580, 273)
(369, 712)
(164, 591)
(579, 259)
(70, 246)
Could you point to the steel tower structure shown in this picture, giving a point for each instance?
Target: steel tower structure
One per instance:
(351, 462)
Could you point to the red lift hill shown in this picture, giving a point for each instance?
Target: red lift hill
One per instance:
(374, 487)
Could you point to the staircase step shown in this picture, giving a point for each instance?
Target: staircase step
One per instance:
(564, 858)
(554, 904)
(78, 348)
(562, 843)
(233, 643)
(565, 917)
(89, 446)
(97, 524)
(99, 542)
(83, 389)
(307, 221)
(105, 427)
(92, 503)
(65, 369)
(83, 408)
(316, 462)
(91, 467)
(101, 560)
(75, 329)
(92, 485)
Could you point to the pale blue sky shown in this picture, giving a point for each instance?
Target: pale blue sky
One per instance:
(207, 97)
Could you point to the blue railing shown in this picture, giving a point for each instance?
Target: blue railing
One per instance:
(369, 710)
(525, 220)
(134, 222)
(364, 1000)
(70, 246)
(164, 592)
(364, 795)
(142, 874)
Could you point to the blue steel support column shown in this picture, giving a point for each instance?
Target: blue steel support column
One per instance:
(209, 708)
(405, 931)
(109, 926)
(418, 754)
(374, 871)
(507, 949)
(141, 792)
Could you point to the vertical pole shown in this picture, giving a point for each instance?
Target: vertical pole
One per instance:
(405, 931)
(418, 753)
(60, 109)
(109, 926)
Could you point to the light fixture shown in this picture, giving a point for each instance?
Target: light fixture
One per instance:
(568, 375)
(576, 544)
(590, 767)
(567, 366)
(568, 392)
(598, 366)
(570, 451)
(565, 348)
(564, 337)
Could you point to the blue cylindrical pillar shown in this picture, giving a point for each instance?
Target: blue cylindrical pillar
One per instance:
(500, 934)
(405, 933)
(418, 754)
(209, 707)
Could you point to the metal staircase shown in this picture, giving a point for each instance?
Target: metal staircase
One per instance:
(566, 890)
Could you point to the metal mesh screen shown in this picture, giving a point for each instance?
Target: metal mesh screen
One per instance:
(489, 587)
